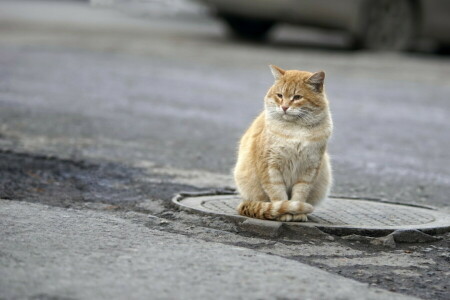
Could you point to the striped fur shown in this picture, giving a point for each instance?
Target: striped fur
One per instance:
(273, 210)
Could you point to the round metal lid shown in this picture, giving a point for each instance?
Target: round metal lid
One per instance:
(341, 214)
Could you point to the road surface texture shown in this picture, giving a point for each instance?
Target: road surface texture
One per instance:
(107, 113)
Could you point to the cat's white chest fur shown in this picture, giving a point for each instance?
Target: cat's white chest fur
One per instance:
(294, 153)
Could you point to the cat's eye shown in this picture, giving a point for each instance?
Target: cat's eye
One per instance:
(297, 97)
(280, 96)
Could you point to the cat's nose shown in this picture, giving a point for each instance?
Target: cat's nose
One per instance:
(285, 108)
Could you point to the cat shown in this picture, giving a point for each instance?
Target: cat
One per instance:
(283, 169)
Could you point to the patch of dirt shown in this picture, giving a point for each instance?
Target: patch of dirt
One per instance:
(61, 182)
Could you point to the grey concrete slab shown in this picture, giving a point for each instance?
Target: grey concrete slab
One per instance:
(57, 253)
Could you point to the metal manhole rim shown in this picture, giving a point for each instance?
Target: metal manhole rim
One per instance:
(440, 224)
(231, 192)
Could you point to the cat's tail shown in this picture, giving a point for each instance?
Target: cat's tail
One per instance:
(273, 210)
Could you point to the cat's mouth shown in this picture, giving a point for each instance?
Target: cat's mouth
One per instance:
(304, 115)
(288, 117)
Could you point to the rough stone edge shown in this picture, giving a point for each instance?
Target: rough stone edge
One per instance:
(291, 230)
(261, 228)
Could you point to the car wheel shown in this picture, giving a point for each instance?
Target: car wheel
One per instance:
(246, 28)
(388, 25)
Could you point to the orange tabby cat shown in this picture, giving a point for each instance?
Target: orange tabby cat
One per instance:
(283, 168)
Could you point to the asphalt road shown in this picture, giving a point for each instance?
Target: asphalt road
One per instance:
(131, 109)
(176, 92)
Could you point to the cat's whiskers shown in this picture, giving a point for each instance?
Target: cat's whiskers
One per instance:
(305, 115)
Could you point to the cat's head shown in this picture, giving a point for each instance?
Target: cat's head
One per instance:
(296, 96)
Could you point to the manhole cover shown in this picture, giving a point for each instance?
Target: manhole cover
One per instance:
(344, 215)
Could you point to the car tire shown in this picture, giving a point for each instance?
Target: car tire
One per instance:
(387, 25)
(247, 28)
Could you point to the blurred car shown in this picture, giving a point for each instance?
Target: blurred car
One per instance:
(374, 24)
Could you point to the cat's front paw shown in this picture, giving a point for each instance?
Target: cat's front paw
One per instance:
(285, 218)
(293, 218)
(300, 218)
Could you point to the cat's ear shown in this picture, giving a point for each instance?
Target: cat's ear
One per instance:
(277, 71)
(316, 81)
